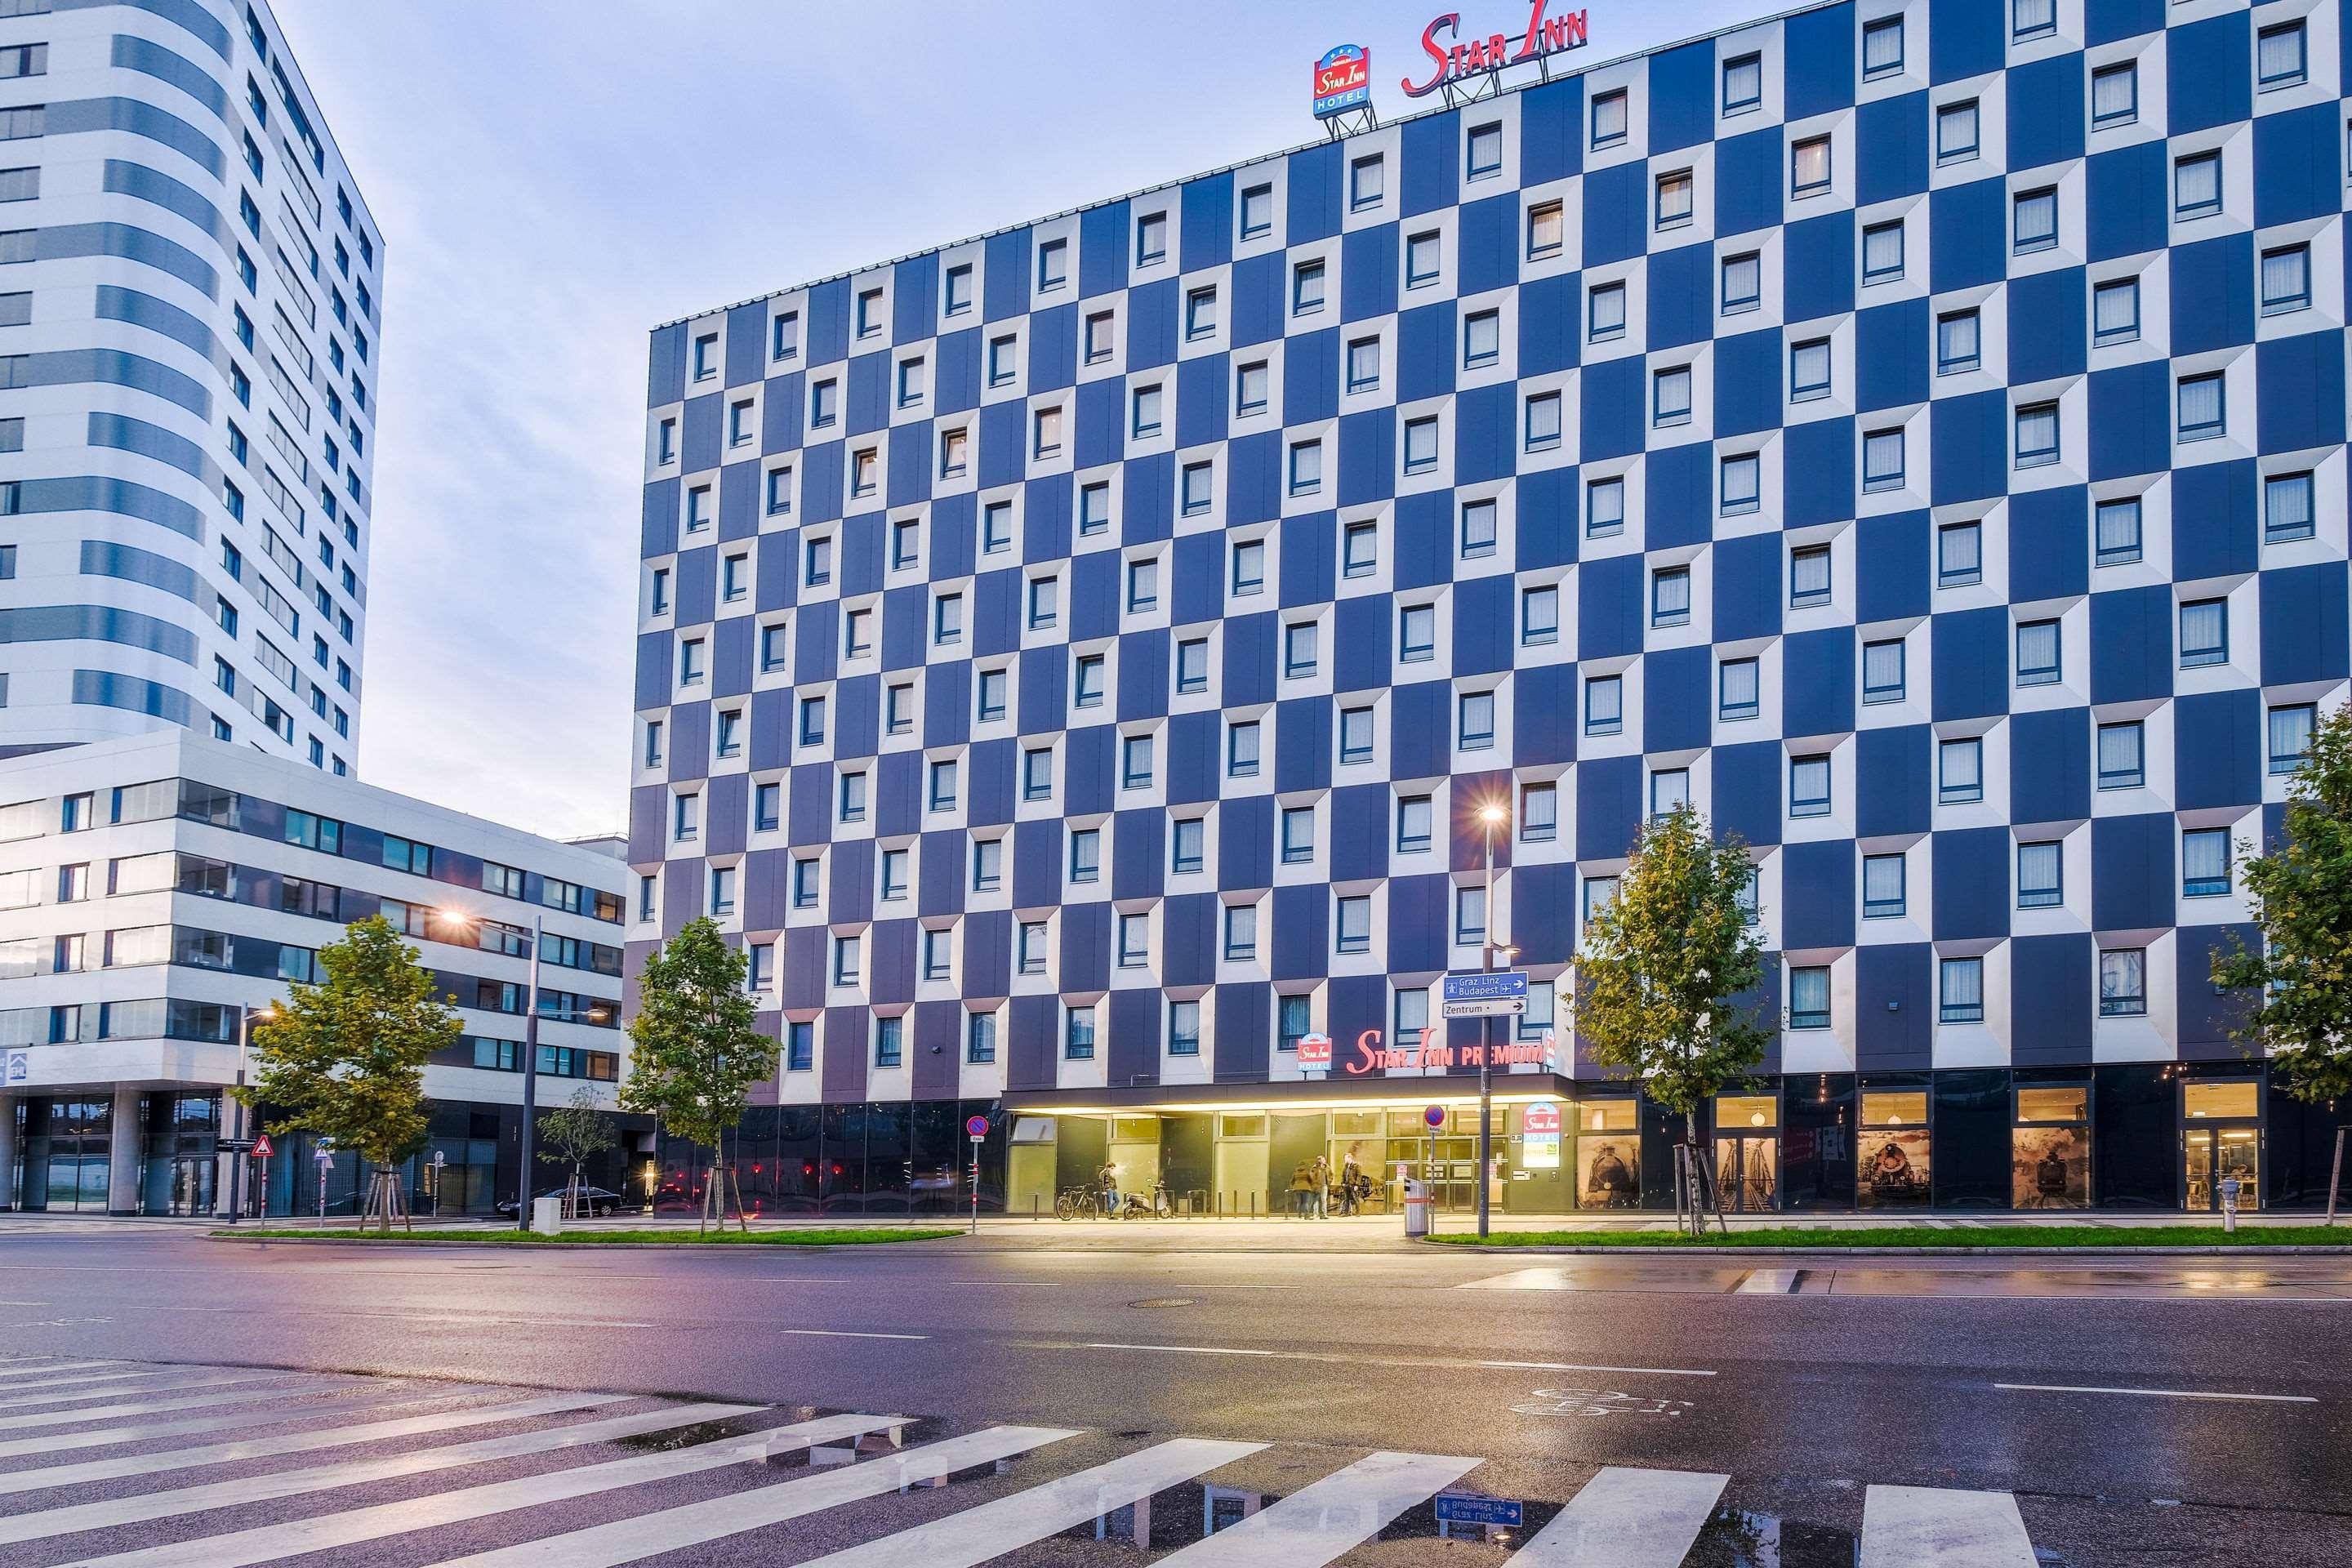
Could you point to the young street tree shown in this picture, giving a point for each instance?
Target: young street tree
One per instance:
(694, 1053)
(344, 1058)
(1659, 963)
(571, 1135)
(2301, 894)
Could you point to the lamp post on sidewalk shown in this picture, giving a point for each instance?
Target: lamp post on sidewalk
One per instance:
(245, 1017)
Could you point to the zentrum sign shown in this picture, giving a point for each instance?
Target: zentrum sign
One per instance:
(1457, 61)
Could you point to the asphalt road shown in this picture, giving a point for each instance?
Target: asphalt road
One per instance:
(2066, 1385)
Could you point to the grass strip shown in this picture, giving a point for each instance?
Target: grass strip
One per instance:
(802, 1238)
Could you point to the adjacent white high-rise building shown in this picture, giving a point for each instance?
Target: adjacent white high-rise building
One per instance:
(191, 288)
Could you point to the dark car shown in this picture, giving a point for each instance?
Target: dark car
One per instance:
(600, 1201)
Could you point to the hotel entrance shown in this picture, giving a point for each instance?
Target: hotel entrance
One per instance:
(1747, 1152)
(2220, 1137)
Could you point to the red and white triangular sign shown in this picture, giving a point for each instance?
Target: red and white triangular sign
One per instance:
(262, 1146)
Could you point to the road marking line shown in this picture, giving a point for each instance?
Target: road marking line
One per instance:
(108, 1436)
(1181, 1350)
(1769, 1282)
(692, 1524)
(112, 1512)
(1580, 1367)
(2158, 1392)
(992, 1529)
(1626, 1517)
(295, 1442)
(154, 1406)
(271, 1542)
(1378, 1360)
(849, 1334)
(53, 1366)
(1332, 1516)
(77, 1383)
(165, 1382)
(1936, 1527)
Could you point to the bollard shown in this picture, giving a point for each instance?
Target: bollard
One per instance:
(2229, 1205)
(1034, 1201)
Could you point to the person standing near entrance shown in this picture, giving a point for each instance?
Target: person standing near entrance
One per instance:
(1351, 1176)
(1320, 1194)
(1302, 1186)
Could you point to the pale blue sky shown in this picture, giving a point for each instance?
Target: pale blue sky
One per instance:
(552, 177)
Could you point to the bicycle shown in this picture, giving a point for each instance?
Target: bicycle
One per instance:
(1078, 1203)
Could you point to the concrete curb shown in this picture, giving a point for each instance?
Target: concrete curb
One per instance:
(2201, 1250)
(484, 1244)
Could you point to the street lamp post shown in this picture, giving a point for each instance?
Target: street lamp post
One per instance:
(529, 1052)
(1487, 817)
(245, 1017)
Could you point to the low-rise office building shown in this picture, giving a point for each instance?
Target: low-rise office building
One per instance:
(155, 888)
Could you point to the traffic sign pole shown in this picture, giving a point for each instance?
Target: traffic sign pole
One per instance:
(977, 1126)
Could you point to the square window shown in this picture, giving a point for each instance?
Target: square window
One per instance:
(1675, 192)
(1669, 396)
(2204, 633)
(1189, 851)
(2032, 19)
(1542, 421)
(1539, 615)
(1200, 492)
(1960, 771)
(2037, 435)
(1738, 688)
(1608, 119)
(1135, 763)
(2117, 531)
(2123, 983)
(1142, 586)
(1959, 342)
(1882, 460)
(1808, 167)
(1546, 230)
(1200, 315)
(1251, 383)
(1956, 132)
(1670, 596)
(1743, 83)
(1367, 182)
(1364, 364)
(1298, 835)
(1960, 991)
(1003, 359)
(1604, 704)
(1053, 265)
(1540, 813)
(1085, 854)
(1881, 886)
(1090, 678)
(1809, 998)
(2114, 312)
(1604, 508)
(1422, 258)
(1605, 311)
(1808, 370)
(2197, 185)
(2115, 95)
(1355, 735)
(959, 281)
(1486, 151)
(1191, 665)
(1740, 484)
(1882, 47)
(2121, 758)
(1305, 288)
(1100, 339)
(2040, 870)
(1881, 252)
(1809, 786)
(1151, 238)
(2033, 221)
(2202, 408)
(1477, 529)
(2287, 279)
(1241, 932)
(1421, 445)
(1299, 650)
(1257, 211)
(1475, 727)
(2037, 653)
(1305, 467)
(2204, 862)
(2290, 735)
(1417, 633)
(2288, 509)
(1184, 1028)
(1743, 282)
(2279, 56)
(1809, 577)
(1882, 671)
(1148, 401)
(1414, 824)
(1959, 554)
(1669, 792)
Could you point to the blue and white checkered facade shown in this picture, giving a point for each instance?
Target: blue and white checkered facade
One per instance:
(1914, 432)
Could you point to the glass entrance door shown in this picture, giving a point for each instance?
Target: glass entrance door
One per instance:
(1748, 1173)
(192, 1186)
(2213, 1153)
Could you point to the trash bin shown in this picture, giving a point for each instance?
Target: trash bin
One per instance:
(1416, 1209)
(547, 1215)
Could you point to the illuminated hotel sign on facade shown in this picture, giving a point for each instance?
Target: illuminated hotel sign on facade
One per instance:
(1372, 1056)
(1456, 62)
(1343, 80)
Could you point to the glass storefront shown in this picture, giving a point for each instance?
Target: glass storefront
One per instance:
(66, 1155)
(1608, 1154)
(1897, 1167)
(1747, 1152)
(2050, 1147)
(2220, 1138)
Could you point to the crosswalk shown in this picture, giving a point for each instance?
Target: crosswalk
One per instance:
(262, 1465)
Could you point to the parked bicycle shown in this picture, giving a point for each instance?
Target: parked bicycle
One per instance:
(1078, 1203)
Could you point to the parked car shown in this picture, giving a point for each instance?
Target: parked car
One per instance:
(600, 1201)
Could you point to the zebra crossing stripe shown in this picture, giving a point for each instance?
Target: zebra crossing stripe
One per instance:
(114, 1511)
(675, 1528)
(156, 1463)
(993, 1528)
(53, 1366)
(164, 1384)
(150, 1406)
(270, 1543)
(1318, 1523)
(1937, 1527)
(108, 1436)
(1626, 1517)
(82, 1379)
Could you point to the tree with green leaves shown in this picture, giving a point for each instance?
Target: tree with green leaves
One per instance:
(344, 1058)
(694, 1053)
(1660, 963)
(571, 1135)
(2300, 1008)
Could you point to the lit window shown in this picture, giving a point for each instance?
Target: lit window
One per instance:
(1808, 167)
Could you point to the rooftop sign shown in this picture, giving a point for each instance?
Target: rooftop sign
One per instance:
(1456, 61)
(1343, 80)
